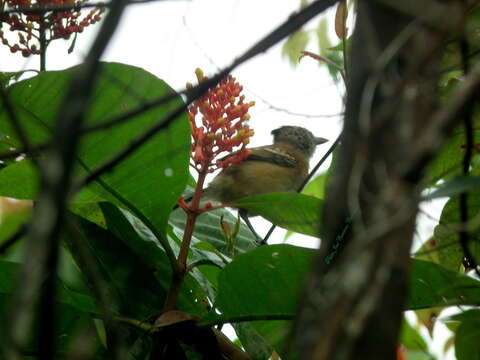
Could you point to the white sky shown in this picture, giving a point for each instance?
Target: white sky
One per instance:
(172, 38)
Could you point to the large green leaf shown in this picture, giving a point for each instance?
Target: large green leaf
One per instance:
(265, 282)
(131, 284)
(292, 211)
(142, 243)
(150, 180)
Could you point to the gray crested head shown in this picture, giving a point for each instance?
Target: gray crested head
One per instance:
(299, 137)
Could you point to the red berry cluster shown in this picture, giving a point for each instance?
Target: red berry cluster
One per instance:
(56, 24)
(222, 127)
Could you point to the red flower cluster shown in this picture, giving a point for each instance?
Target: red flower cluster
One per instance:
(222, 127)
(56, 24)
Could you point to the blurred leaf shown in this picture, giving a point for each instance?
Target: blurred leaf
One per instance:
(428, 318)
(341, 19)
(428, 251)
(292, 211)
(7, 77)
(448, 162)
(8, 282)
(322, 36)
(12, 219)
(276, 333)
(295, 43)
(410, 338)
(446, 233)
(255, 344)
(316, 187)
(152, 178)
(418, 355)
(20, 181)
(433, 285)
(467, 338)
(455, 186)
(334, 71)
(74, 310)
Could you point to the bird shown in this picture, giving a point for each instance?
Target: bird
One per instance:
(279, 167)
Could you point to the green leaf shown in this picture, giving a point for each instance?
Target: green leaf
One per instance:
(148, 182)
(264, 283)
(411, 339)
(11, 221)
(446, 233)
(467, 338)
(292, 211)
(432, 285)
(255, 345)
(19, 180)
(142, 244)
(131, 284)
(455, 186)
(448, 162)
(316, 187)
(8, 282)
(207, 229)
(322, 36)
(295, 43)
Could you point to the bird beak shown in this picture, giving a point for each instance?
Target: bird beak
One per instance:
(319, 140)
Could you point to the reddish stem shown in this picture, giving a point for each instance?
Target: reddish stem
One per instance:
(178, 276)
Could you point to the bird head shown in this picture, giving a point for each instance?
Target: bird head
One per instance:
(299, 137)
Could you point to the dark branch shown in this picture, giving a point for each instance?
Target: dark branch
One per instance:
(42, 9)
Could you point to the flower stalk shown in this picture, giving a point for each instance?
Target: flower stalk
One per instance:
(219, 126)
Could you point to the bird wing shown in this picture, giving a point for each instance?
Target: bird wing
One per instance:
(270, 154)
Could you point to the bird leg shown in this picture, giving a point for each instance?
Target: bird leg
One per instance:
(244, 215)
